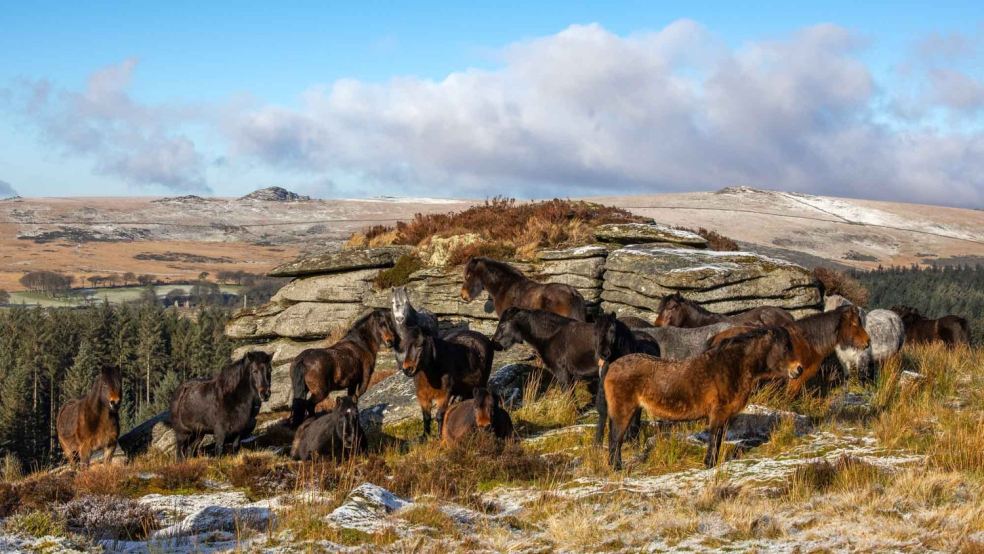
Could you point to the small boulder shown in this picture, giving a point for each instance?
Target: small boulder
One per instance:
(366, 507)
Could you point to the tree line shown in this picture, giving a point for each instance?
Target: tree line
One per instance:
(935, 291)
(51, 355)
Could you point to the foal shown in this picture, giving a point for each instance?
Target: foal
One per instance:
(483, 412)
(223, 406)
(347, 364)
(91, 422)
(508, 287)
(445, 368)
(714, 385)
(677, 311)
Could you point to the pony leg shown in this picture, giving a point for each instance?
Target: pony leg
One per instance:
(220, 436)
(716, 432)
(601, 403)
(84, 456)
(616, 434)
(108, 454)
(425, 411)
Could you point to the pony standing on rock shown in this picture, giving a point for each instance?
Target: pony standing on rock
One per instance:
(92, 422)
(508, 288)
(223, 406)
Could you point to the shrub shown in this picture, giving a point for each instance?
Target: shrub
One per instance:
(715, 240)
(836, 282)
(109, 517)
(399, 274)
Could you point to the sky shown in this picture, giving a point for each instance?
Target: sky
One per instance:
(528, 99)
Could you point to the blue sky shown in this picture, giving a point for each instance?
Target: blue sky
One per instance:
(368, 98)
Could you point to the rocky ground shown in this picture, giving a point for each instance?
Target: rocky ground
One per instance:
(893, 466)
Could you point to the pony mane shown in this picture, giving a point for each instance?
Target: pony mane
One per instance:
(231, 375)
(496, 270)
(746, 337)
(823, 324)
(357, 327)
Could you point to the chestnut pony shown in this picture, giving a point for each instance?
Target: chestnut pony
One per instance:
(840, 328)
(714, 385)
(677, 311)
(508, 288)
(347, 364)
(91, 422)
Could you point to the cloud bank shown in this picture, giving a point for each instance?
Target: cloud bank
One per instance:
(7, 190)
(586, 111)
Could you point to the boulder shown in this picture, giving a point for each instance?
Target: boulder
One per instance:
(389, 401)
(349, 286)
(341, 261)
(642, 233)
(754, 425)
(639, 276)
(509, 382)
(304, 320)
(366, 507)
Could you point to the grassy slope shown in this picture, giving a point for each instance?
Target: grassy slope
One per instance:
(931, 504)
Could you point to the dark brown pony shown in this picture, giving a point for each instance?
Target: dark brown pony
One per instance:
(714, 385)
(508, 287)
(347, 364)
(842, 328)
(951, 330)
(483, 412)
(677, 311)
(223, 406)
(336, 435)
(445, 369)
(92, 422)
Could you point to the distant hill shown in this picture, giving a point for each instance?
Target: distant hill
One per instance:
(276, 194)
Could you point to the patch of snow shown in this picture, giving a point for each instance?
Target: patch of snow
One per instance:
(17, 544)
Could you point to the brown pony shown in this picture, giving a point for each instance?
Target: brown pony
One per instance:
(483, 412)
(91, 422)
(347, 364)
(445, 369)
(951, 330)
(714, 385)
(841, 328)
(508, 287)
(677, 311)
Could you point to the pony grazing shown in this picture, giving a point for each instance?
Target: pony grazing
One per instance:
(483, 412)
(714, 385)
(223, 406)
(886, 333)
(824, 333)
(347, 364)
(508, 287)
(951, 329)
(92, 422)
(677, 311)
(336, 435)
(444, 368)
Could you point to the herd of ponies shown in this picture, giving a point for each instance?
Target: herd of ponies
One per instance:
(688, 364)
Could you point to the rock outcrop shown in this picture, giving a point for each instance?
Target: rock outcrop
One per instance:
(637, 277)
(276, 194)
(644, 233)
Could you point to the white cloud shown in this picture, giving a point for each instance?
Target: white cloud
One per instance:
(588, 111)
(140, 144)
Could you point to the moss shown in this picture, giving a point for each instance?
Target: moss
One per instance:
(399, 274)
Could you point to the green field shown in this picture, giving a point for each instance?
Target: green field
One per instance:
(113, 295)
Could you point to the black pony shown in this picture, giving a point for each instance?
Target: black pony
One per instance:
(224, 406)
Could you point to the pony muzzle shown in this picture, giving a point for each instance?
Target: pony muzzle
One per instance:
(795, 371)
(409, 368)
(464, 295)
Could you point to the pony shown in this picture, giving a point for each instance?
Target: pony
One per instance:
(483, 412)
(886, 332)
(677, 311)
(406, 316)
(508, 287)
(336, 434)
(445, 369)
(715, 385)
(824, 333)
(93, 421)
(347, 364)
(224, 406)
(951, 329)
(677, 343)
